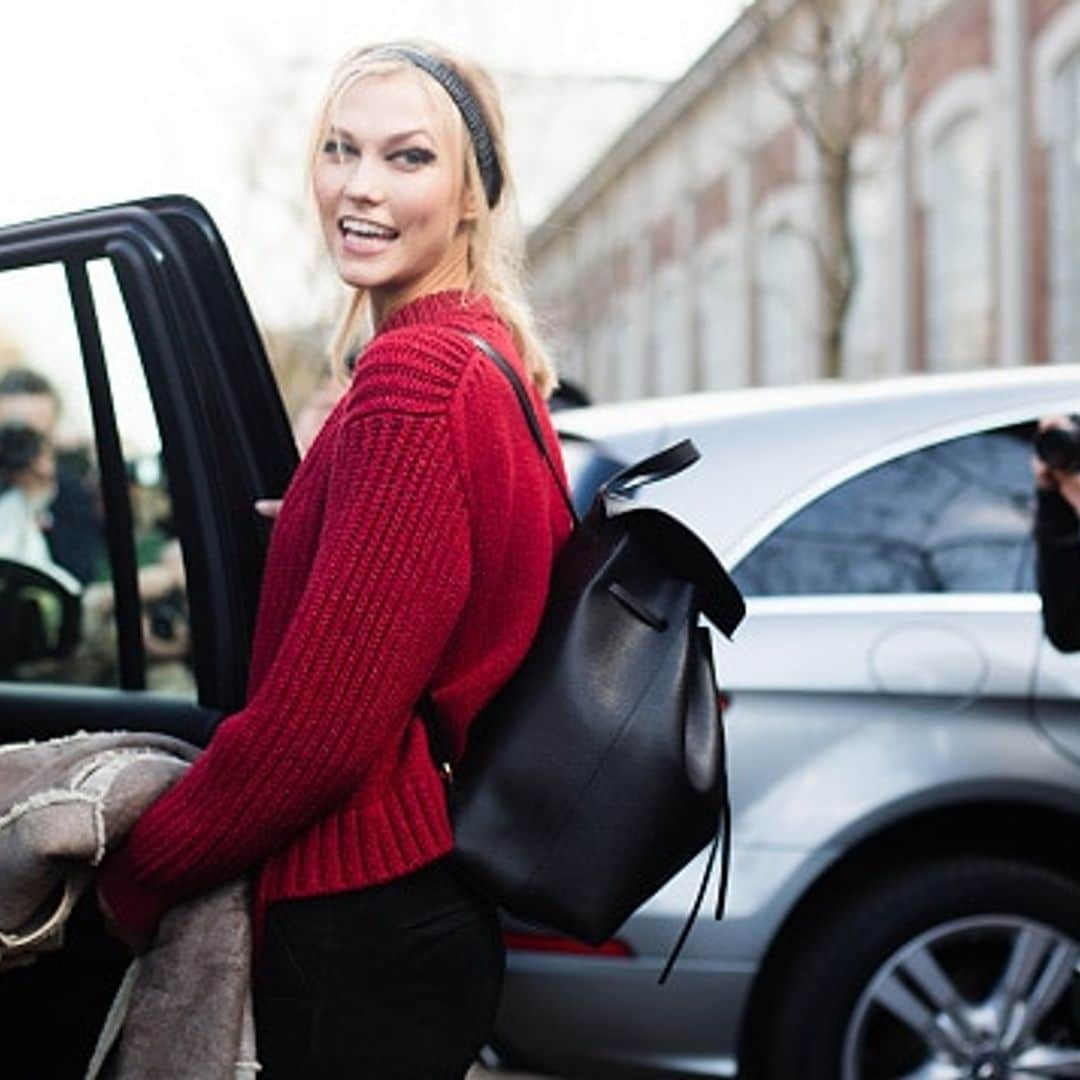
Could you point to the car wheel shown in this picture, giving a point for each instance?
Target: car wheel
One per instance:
(958, 970)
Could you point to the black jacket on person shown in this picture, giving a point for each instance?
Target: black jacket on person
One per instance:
(77, 534)
(1057, 536)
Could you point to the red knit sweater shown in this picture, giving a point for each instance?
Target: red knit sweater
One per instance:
(413, 549)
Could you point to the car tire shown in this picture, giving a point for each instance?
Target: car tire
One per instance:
(932, 944)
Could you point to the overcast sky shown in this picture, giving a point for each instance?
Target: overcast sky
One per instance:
(121, 97)
(116, 99)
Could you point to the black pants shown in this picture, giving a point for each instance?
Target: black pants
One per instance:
(395, 982)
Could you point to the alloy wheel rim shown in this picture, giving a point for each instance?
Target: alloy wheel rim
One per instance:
(991, 997)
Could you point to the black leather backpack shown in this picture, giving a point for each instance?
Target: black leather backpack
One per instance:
(598, 771)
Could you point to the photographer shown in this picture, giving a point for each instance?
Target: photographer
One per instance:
(69, 513)
(1057, 528)
(27, 487)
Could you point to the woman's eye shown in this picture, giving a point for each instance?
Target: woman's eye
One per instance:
(337, 148)
(414, 155)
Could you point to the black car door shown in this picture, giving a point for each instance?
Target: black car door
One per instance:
(170, 425)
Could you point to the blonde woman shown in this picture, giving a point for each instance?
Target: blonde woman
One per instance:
(411, 552)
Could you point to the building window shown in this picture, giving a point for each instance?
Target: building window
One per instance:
(628, 376)
(671, 345)
(864, 343)
(575, 360)
(784, 325)
(601, 376)
(1065, 215)
(721, 321)
(958, 247)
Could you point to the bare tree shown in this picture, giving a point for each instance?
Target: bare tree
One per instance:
(831, 61)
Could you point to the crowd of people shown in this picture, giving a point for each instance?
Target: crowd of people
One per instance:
(52, 521)
(34, 520)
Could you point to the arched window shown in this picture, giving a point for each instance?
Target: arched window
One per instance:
(599, 362)
(784, 324)
(864, 338)
(1065, 214)
(721, 320)
(628, 375)
(575, 358)
(671, 334)
(958, 234)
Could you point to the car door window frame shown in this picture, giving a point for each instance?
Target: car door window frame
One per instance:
(198, 345)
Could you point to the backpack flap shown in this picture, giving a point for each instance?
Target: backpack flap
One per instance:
(681, 551)
(685, 555)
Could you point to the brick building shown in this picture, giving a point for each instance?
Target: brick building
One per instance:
(681, 261)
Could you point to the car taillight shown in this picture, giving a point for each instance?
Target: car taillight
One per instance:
(554, 943)
(723, 700)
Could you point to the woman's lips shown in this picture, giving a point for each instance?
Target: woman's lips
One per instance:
(365, 236)
(358, 244)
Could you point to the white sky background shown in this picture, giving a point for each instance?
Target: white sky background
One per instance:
(118, 99)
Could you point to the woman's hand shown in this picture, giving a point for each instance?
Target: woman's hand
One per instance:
(269, 508)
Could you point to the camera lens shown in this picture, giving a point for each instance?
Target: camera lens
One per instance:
(20, 445)
(1060, 448)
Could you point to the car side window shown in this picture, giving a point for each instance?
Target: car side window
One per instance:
(953, 517)
(58, 616)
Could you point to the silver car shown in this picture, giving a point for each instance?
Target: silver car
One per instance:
(904, 753)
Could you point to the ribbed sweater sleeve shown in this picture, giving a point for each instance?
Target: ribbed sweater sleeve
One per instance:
(388, 582)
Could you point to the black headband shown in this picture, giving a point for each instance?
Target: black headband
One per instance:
(486, 159)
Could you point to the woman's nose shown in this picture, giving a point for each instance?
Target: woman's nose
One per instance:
(364, 182)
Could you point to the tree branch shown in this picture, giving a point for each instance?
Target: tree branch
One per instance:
(795, 101)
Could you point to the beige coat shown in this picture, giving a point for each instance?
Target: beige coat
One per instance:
(183, 1011)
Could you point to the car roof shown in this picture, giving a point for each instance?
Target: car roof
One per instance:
(768, 451)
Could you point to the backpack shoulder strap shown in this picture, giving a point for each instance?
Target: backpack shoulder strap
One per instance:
(438, 741)
(522, 395)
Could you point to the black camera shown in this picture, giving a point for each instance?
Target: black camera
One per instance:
(20, 446)
(1059, 447)
(167, 614)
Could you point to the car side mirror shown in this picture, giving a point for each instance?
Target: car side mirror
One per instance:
(40, 615)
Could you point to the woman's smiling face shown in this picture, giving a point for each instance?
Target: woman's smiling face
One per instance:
(389, 186)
